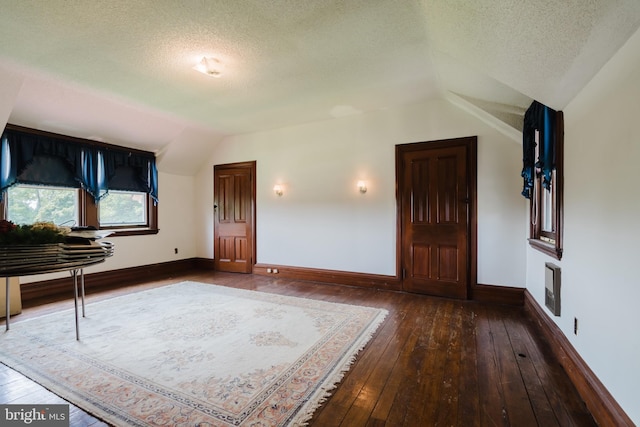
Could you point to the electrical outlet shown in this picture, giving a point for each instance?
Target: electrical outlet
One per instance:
(175, 250)
(275, 270)
(268, 270)
(575, 325)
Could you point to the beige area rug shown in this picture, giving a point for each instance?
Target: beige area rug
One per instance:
(194, 354)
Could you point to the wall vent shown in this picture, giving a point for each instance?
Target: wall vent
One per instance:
(552, 287)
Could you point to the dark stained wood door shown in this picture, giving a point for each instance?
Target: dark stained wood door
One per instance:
(435, 197)
(234, 217)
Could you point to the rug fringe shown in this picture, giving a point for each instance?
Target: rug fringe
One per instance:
(324, 392)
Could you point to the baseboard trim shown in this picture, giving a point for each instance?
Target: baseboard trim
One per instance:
(205, 263)
(604, 408)
(498, 294)
(374, 281)
(61, 288)
(480, 293)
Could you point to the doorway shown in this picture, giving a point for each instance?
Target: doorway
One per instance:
(234, 195)
(437, 216)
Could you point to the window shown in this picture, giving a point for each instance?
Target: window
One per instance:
(75, 182)
(123, 209)
(543, 140)
(27, 204)
(122, 216)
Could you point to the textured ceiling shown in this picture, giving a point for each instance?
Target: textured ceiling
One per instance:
(121, 71)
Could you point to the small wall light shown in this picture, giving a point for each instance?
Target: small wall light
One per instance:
(278, 189)
(209, 66)
(362, 186)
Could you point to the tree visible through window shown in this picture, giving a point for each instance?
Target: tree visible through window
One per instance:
(28, 204)
(122, 208)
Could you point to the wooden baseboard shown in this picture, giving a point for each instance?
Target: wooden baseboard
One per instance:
(481, 293)
(33, 292)
(205, 263)
(604, 408)
(497, 294)
(60, 288)
(364, 280)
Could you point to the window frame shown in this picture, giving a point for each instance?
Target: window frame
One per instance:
(124, 225)
(547, 242)
(87, 206)
(89, 214)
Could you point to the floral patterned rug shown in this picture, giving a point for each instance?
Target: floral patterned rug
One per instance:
(194, 354)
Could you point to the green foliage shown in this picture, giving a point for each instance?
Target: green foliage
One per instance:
(119, 208)
(11, 234)
(30, 204)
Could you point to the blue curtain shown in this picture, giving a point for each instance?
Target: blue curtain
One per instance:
(8, 166)
(36, 159)
(543, 119)
(92, 173)
(128, 171)
(93, 167)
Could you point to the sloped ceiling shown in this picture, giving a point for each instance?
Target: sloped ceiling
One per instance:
(120, 71)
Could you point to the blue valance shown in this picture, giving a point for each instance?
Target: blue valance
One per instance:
(92, 166)
(543, 119)
(129, 171)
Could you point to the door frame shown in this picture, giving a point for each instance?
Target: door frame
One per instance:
(249, 165)
(470, 143)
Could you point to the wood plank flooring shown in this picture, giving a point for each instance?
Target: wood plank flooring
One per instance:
(433, 362)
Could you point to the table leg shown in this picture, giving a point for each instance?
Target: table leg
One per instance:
(8, 304)
(75, 300)
(82, 286)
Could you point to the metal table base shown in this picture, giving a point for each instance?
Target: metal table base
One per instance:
(74, 274)
(50, 258)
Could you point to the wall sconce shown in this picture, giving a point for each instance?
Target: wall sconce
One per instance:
(362, 186)
(209, 66)
(278, 189)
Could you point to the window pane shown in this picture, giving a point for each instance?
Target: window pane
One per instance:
(548, 208)
(27, 204)
(547, 220)
(121, 208)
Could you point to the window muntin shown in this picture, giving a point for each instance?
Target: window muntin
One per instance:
(548, 208)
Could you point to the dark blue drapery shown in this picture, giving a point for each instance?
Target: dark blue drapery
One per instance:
(542, 118)
(93, 167)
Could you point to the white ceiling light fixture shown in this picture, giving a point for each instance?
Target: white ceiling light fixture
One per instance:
(209, 66)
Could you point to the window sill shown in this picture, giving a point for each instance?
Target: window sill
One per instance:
(547, 248)
(132, 232)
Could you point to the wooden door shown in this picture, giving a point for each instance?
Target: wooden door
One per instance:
(234, 217)
(436, 193)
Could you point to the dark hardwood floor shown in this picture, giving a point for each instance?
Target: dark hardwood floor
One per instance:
(433, 362)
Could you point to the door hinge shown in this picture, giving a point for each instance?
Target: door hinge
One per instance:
(404, 273)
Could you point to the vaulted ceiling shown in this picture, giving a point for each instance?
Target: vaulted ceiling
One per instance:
(121, 71)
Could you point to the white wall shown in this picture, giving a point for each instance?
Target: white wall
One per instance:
(323, 222)
(602, 204)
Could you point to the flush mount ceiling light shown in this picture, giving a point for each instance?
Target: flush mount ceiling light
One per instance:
(209, 66)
